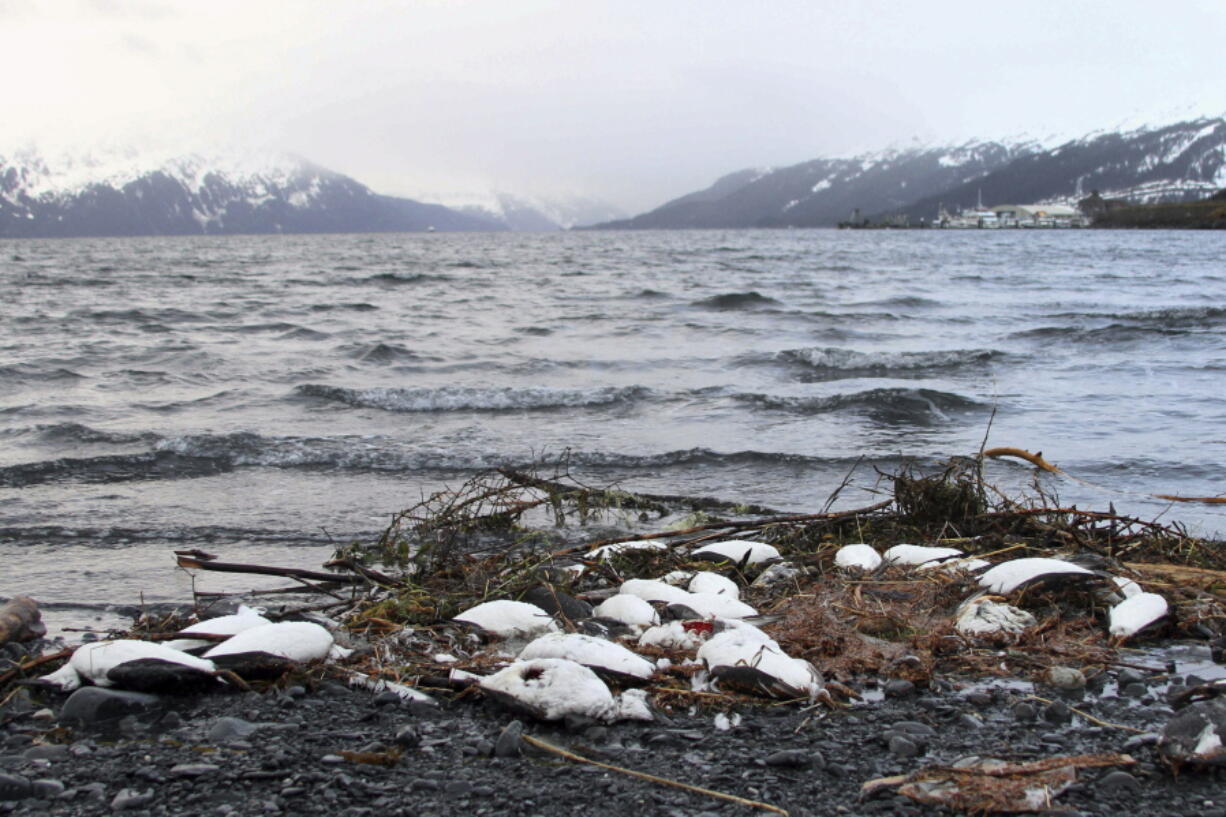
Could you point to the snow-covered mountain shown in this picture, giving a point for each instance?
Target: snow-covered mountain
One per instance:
(1179, 161)
(121, 192)
(531, 213)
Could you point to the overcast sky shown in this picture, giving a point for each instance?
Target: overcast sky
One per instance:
(636, 102)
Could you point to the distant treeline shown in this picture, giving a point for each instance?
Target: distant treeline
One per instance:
(1208, 214)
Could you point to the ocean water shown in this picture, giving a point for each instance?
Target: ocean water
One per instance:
(267, 397)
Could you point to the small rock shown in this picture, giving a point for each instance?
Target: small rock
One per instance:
(969, 721)
(1066, 678)
(458, 788)
(1057, 712)
(171, 720)
(1128, 675)
(1138, 741)
(898, 688)
(1136, 689)
(131, 798)
(1025, 712)
(47, 751)
(408, 737)
(386, 699)
(903, 746)
(228, 729)
(979, 699)
(193, 770)
(1118, 781)
(296, 691)
(96, 706)
(48, 788)
(332, 760)
(509, 743)
(14, 787)
(795, 758)
(43, 715)
(915, 728)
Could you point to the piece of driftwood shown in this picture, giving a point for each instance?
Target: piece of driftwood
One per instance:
(196, 563)
(20, 620)
(663, 781)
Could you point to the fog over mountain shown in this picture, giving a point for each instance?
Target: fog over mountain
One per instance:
(630, 102)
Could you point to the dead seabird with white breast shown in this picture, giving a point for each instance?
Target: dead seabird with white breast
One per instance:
(600, 655)
(737, 551)
(1136, 613)
(554, 688)
(244, 619)
(1011, 575)
(269, 650)
(142, 666)
(508, 619)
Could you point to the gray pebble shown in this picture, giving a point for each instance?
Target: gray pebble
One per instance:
(1025, 712)
(14, 787)
(131, 798)
(458, 788)
(915, 728)
(93, 706)
(1136, 689)
(968, 721)
(979, 699)
(796, 758)
(898, 688)
(48, 788)
(47, 751)
(903, 746)
(1066, 678)
(386, 699)
(228, 729)
(408, 737)
(193, 770)
(1057, 712)
(1118, 781)
(332, 760)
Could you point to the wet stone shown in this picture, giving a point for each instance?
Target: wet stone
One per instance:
(1025, 712)
(1057, 712)
(979, 699)
(48, 788)
(508, 743)
(408, 737)
(1066, 678)
(796, 758)
(386, 699)
(47, 751)
(228, 729)
(194, 770)
(898, 688)
(95, 706)
(903, 746)
(14, 787)
(1118, 781)
(1136, 689)
(131, 799)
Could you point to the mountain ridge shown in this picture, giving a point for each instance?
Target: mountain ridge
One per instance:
(1183, 160)
(128, 194)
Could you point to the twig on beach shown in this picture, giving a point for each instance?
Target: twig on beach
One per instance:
(192, 562)
(1087, 716)
(663, 781)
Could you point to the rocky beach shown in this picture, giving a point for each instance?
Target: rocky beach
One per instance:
(905, 714)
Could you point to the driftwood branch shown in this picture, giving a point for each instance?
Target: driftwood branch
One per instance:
(195, 563)
(663, 781)
(733, 526)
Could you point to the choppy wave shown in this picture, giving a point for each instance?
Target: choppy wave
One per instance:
(33, 373)
(397, 279)
(80, 433)
(736, 300)
(893, 405)
(186, 534)
(458, 398)
(1099, 336)
(848, 360)
(147, 465)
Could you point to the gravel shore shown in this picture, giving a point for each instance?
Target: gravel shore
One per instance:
(325, 748)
